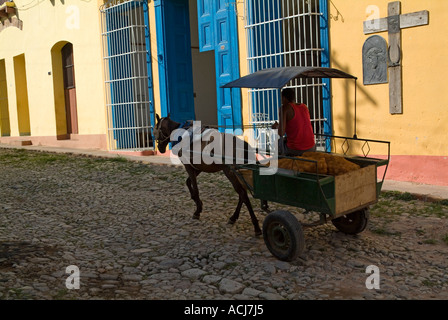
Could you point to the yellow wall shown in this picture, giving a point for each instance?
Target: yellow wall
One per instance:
(242, 46)
(45, 24)
(422, 128)
(155, 65)
(4, 111)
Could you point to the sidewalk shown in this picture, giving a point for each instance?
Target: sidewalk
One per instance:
(421, 191)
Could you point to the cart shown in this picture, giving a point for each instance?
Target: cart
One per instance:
(343, 199)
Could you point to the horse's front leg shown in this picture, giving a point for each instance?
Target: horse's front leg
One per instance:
(194, 190)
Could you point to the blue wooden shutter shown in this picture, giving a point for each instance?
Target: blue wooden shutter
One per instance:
(227, 65)
(206, 18)
(218, 31)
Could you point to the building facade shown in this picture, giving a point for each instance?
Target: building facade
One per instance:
(93, 74)
(51, 75)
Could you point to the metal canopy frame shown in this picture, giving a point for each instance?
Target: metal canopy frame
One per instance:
(277, 78)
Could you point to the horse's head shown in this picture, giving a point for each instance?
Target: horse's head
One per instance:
(162, 131)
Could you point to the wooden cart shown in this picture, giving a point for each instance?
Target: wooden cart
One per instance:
(342, 199)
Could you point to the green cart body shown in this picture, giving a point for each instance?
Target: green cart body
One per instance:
(333, 196)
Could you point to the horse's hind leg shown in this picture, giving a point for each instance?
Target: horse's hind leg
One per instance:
(243, 198)
(194, 190)
(236, 214)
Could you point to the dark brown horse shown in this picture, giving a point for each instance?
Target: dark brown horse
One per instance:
(162, 133)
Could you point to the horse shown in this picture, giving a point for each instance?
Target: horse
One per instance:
(162, 133)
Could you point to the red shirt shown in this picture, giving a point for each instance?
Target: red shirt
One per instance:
(299, 130)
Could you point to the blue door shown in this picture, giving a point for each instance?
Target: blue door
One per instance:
(174, 58)
(218, 32)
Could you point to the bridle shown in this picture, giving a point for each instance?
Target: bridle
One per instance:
(161, 137)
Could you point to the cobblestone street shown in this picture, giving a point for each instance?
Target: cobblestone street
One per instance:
(128, 227)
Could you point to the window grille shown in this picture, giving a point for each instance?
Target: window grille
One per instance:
(282, 33)
(126, 54)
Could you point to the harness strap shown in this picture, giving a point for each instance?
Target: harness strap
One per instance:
(184, 125)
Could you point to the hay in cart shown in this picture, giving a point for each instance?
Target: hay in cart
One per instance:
(310, 162)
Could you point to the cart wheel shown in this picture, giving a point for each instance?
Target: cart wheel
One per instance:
(352, 223)
(283, 235)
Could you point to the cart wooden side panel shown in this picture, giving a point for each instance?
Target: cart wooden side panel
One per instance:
(355, 190)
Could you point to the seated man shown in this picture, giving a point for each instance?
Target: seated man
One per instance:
(295, 122)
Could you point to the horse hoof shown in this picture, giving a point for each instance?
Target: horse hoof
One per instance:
(230, 221)
(258, 233)
(196, 217)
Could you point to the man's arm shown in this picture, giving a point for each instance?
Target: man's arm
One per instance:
(285, 114)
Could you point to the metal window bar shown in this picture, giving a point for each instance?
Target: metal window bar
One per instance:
(125, 54)
(283, 33)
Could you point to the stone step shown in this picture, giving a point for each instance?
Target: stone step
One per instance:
(21, 143)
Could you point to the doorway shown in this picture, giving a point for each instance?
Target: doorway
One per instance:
(193, 67)
(23, 111)
(68, 72)
(204, 74)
